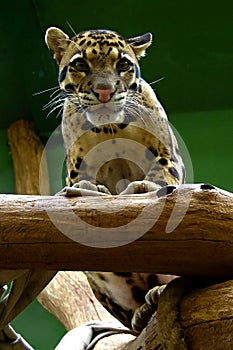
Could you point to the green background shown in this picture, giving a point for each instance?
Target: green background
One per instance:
(192, 51)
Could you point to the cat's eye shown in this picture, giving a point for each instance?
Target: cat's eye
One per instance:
(80, 65)
(123, 65)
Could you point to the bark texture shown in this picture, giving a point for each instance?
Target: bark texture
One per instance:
(191, 314)
(36, 230)
(27, 150)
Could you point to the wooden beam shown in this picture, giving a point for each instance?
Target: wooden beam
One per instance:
(201, 245)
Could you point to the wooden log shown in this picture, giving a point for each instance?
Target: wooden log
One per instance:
(70, 299)
(26, 150)
(200, 246)
(204, 315)
(204, 321)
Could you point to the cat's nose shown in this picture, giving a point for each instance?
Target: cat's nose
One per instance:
(104, 95)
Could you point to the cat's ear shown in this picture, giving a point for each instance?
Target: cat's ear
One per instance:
(57, 41)
(139, 44)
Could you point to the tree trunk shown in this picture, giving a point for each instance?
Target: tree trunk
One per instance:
(27, 150)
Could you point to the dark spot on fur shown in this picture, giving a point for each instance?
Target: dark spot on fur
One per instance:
(164, 191)
(94, 51)
(62, 74)
(69, 87)
(207, 187)
(80, 164)
(138, 294)
(82, 42)
(96, 130)
(87, 126)
(151, 153)
(133, 86)
(102, 277)
(109, 50)
(152, 281)
(112, 131)
(73, 174)
(163, 161)
(116, 310)
(123, 274)
(161, 183)
(129, 281)
(122, 126)
(100, 296)
(173, 159)
(121, 315)
(137, 71)
(152, 175)
(174, 172)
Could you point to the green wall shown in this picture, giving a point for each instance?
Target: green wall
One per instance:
(192, 50)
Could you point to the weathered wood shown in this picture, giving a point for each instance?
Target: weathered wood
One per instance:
(205, 318)
(26, 150)
(71, 300)
(201, 245)
(205, 315)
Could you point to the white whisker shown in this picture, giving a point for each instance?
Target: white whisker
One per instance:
(134, 105)
(44, 91)
(156, 81)
(54, 109)
(71, 28)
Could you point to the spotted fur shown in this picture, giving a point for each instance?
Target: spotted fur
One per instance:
(116, 134)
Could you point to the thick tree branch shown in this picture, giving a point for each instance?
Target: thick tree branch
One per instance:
(201, 245)
(203, 314)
